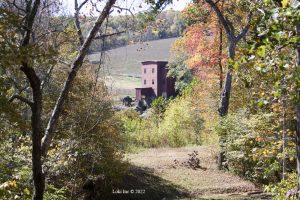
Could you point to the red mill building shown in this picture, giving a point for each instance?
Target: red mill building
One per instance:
(155, 81)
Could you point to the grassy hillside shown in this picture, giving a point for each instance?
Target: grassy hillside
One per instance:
(122, 66)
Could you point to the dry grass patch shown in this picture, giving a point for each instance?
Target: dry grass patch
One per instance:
(205, 183)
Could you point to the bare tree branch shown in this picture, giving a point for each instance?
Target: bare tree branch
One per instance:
(126, 9)
(245, 29)
(47, 4)
(16, 6)
(82, 4)
(108, 35)
(64, 62)
(23, 99)
(229, 28)
(222, 19)
(46, 79)
(30, 19)
(77, 22)
(230, 25)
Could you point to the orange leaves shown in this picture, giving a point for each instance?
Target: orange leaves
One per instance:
(202, 38)
(202, 44)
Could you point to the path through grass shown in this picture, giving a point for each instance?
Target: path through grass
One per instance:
(168, 178)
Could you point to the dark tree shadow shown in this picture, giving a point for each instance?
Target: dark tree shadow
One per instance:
(142, 184)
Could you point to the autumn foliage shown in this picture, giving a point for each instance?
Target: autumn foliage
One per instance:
(202, 39)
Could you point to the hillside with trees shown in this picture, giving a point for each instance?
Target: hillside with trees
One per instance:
(232, 132)
(141, 27)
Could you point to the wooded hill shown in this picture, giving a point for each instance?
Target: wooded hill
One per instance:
(139, 28)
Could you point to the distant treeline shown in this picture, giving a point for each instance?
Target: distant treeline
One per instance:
(139, 28)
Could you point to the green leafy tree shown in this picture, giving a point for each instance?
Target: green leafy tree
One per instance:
(273, 53)
(178, 67)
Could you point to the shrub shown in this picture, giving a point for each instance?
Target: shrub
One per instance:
(182, 123)
(285, 189)
(253, 146)
(88, 143)
(132, 125)
(159, 106)
(174, 124)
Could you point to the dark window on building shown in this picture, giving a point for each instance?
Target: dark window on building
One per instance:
(153, 70)
(152, 81)
(145, 82)
(145, 71)
(164, 81)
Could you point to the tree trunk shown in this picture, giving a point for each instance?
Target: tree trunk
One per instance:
(36, 107)
(220, 58)
(220, 51)
(53, 121)
(36, 125)
(225, 95)
(298, 110)
(233, 40)
(37, 168)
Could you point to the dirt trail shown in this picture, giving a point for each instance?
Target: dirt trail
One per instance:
(205, 183)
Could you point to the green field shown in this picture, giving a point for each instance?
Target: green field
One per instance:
(122, 66)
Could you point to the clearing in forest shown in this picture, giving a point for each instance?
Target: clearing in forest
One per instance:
(164, 173)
